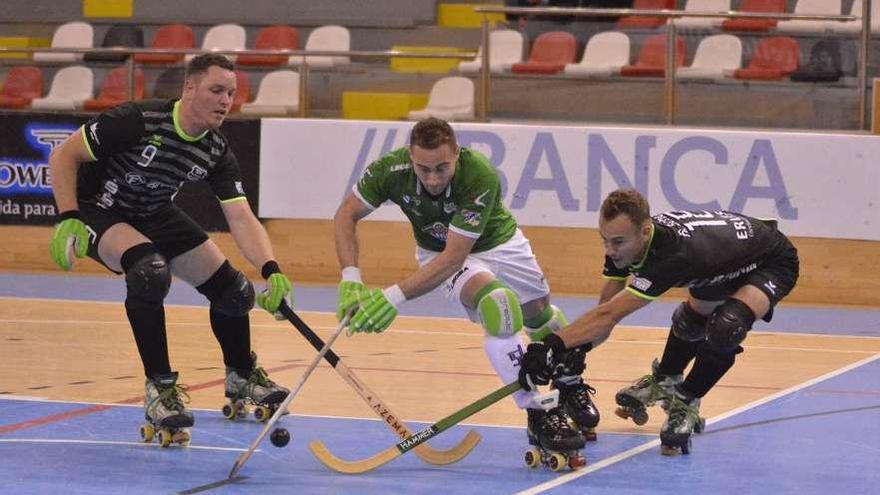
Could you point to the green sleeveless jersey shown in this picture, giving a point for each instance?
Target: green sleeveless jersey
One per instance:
(470, 205)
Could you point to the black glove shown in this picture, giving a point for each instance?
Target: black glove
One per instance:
(538, 364)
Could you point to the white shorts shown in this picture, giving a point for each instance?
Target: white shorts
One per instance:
(513, 263)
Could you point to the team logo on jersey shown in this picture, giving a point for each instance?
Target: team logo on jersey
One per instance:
(771, 287)
(93, 132)
(197, 173)
(471, 218)
(155, 140)
(436, 230)
(134, 179)
(397, 168)
(449, 208)
(406, 198)
(640, 283)
(239, 188)
(479, 199)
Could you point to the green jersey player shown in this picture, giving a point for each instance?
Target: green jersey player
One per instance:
(471, 247)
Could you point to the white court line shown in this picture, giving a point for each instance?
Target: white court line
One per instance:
(111, 442)
(654, 443)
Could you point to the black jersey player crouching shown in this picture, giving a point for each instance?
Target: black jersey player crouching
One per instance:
(114, 181)
(736, 268)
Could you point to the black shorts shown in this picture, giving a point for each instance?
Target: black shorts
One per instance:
(775, 277)
(171, 230)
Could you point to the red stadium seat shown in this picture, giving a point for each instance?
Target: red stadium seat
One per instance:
(168, 37)
(652, 58)
(641, 22)
(115, 90)
(774, 59)
(550, 53)
(22, 85)
(242, 91)
(272, 38)
(755, 25)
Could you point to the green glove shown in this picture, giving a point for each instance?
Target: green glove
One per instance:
(70, 233)
(278, 287)
(377, 309)
(349, 293)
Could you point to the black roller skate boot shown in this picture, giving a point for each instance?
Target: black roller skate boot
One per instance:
(574, 394)
(252, 387)
(683, 420)
(555, 443)
(634, 400)
(167, 418)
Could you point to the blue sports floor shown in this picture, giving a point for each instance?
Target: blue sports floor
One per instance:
(821, 436)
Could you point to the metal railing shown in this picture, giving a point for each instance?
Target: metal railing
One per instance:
(671, 46)
(303, 68)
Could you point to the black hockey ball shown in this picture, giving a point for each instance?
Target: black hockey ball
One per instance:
(280, 437)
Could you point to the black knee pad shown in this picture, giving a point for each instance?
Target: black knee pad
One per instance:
(147, 274)
(687, 324)
(728, 326)
(229, 291)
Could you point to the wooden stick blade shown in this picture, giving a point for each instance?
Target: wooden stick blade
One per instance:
(319, 450)
(453, 455)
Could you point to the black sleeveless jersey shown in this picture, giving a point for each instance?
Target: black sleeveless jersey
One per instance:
(142, 157)
(699, 249)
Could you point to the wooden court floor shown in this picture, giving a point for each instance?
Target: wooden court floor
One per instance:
(425, 368)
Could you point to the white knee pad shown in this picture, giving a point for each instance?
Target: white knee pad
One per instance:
(499, 310)
(557, 322)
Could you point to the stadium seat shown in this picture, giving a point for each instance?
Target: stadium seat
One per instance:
(642, 22)
(605, 54)
(551, 52)
(774, 58)
(278, 94)
(119, 35)
(223, 37)
(507, 49)
(22, 84)
(71, 86)
(451, 98)
(326, 38)
(705, 23)
(69, 35)
(169, 36)
(652, 58)
(825, 64)
(272, 38)
(242, 90)
(826, 7)
(169, 84)
(717, 57)
(853, 27)
(755, 25)
(114, 90)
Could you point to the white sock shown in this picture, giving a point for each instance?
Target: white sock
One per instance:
(504, 354)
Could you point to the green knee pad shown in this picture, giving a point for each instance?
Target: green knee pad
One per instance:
(499, 310)
(555, 323)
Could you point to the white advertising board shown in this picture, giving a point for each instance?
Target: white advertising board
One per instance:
(817, 185)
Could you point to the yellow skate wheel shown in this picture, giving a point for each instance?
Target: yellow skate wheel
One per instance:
(229, 412)
(557, 462)
(532, 458)
(164, 437)
(262, 414)
(241, 409)
(147, 432)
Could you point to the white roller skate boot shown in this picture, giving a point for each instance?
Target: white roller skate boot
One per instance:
(252, 387)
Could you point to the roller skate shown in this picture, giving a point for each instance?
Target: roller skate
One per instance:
(575, 394)
(252, 387)
(683, 420)
(555, 444)
(634, 400)
(167, 418)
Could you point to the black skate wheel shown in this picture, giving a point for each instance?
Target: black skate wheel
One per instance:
(280, 437)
